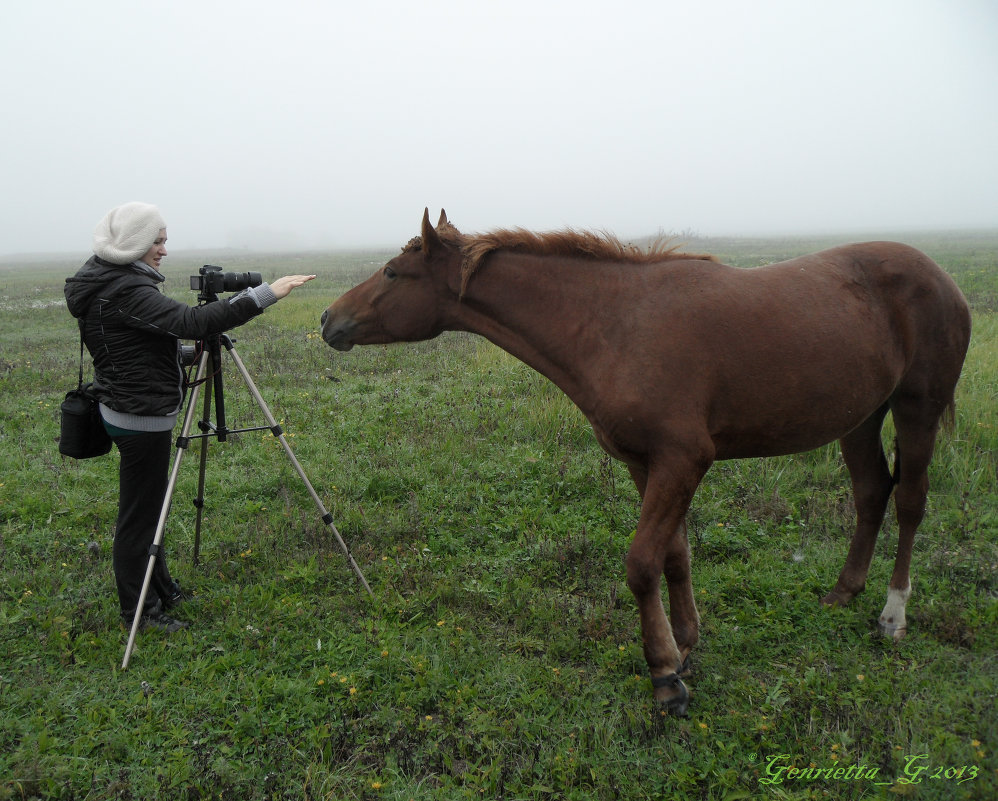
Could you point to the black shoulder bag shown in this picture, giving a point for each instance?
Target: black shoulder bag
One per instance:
(82, 434)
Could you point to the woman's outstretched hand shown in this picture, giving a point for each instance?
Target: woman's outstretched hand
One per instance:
(283, 286)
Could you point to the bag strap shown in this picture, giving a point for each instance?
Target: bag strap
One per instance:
(79, 383)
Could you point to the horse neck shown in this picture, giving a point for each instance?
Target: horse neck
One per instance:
(538, 309)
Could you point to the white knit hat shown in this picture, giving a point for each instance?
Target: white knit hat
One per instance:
(127, 232)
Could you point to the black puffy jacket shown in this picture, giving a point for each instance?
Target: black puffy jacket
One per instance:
(132, 331)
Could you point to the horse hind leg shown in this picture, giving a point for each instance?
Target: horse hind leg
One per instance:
(872, 485)
(917, 424)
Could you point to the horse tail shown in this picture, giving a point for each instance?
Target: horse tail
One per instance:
(949, 415)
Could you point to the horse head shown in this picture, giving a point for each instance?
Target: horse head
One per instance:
(404, 301)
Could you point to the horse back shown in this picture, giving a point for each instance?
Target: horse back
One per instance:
(783, 358)
(887, 271)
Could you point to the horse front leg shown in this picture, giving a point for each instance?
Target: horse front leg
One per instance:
(660, 548)
(683, 614)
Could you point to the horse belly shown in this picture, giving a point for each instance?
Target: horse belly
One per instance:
(807, 406)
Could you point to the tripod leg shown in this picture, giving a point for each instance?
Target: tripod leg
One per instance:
(199, 500)
(157, 541)
(276, 430)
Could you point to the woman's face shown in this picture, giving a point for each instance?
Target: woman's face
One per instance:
(156, 253)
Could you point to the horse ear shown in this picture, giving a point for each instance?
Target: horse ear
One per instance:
(431, 242)
(443, 219)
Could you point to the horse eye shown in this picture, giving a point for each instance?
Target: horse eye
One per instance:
(389, 273)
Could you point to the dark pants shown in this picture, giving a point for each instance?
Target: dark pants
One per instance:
(143, 476)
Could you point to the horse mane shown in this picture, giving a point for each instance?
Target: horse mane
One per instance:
(601, 246)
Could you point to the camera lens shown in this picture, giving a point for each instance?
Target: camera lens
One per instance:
(235, 282)
(188, 355)
(211, 280)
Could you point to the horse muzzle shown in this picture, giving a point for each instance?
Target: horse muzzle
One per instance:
(337, 331)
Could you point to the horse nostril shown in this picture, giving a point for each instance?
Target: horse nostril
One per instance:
(325, 314)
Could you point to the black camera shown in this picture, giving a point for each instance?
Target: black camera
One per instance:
(210, 280)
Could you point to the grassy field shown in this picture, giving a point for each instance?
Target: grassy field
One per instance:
(500, 656)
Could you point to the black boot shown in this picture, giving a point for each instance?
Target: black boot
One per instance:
(154, 619)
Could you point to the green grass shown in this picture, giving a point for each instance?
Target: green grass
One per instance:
(500, 657)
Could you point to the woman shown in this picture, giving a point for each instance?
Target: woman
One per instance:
(133, 333)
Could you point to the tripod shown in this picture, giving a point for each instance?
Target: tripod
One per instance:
(210, 358)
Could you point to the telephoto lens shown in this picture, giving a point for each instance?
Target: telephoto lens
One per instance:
(236, 282)
(211, 280)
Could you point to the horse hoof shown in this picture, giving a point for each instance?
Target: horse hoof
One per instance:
(677, 704)
(837, 598)
(892, 631)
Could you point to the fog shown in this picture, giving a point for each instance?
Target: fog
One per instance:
(306, 125)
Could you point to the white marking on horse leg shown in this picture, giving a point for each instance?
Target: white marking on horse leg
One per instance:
(892, 620)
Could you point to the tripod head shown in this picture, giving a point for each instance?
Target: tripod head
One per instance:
(209, 281)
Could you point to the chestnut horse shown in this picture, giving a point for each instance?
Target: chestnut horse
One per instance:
(678, 361)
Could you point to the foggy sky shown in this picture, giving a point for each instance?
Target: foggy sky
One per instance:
(333, 124)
